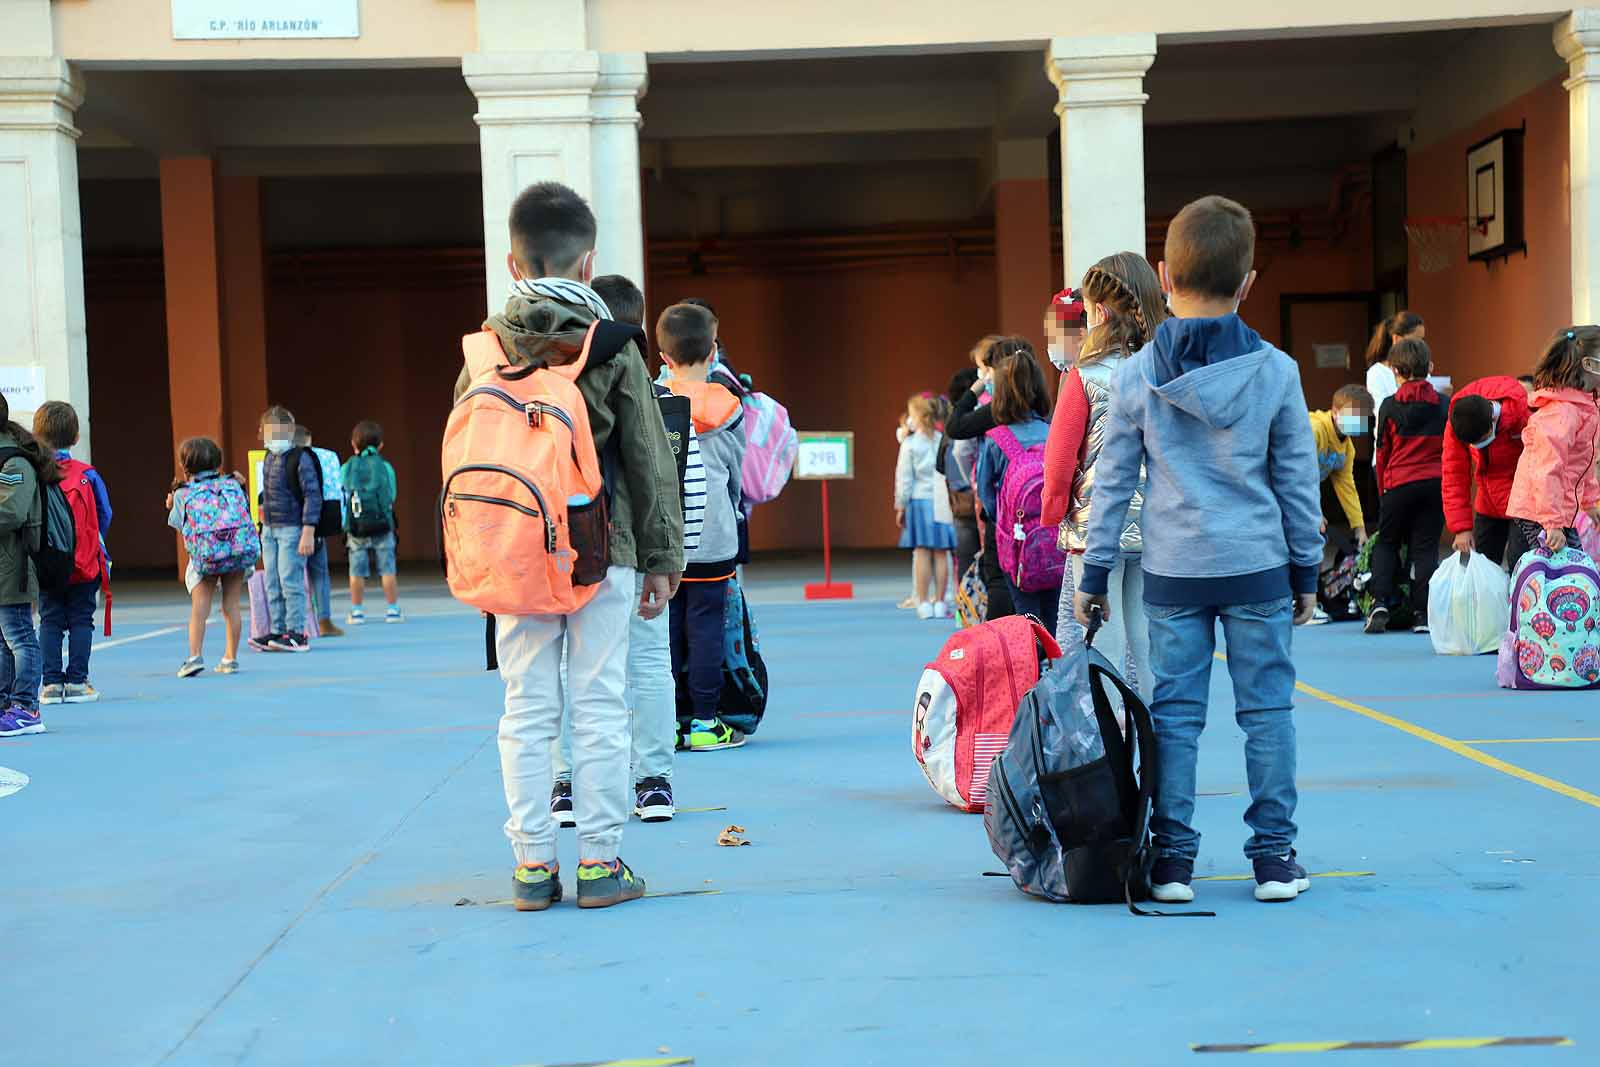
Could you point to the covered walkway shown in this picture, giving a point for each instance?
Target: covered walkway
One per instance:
(303, 864)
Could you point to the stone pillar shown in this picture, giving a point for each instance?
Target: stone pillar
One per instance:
(41, 234)
(1577, 38)
(1100, 81)
(534, 124)
(1023, 272)
(617, 201)
(191, 264)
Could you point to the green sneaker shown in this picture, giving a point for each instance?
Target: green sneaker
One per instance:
(600, 885)
(712, 735)
(535, 886)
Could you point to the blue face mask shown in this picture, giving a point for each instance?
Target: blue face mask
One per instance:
(1352, 425)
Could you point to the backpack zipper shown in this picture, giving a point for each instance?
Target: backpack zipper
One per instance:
(533, 410)
(447, 498)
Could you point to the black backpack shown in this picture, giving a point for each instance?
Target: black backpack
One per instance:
(1068, 810)
(330, 523)
(53, 560)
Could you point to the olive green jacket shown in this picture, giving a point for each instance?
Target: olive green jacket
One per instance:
(21, 520)
(643, 487)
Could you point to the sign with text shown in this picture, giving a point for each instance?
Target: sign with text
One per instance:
(234, 20)
(23, 387)
(826, 455)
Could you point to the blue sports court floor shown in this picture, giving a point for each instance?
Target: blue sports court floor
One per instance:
(302, 865)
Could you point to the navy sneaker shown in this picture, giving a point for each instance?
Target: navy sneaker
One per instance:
(653, 800)
(1280, 878)
(18, 721)
(535, 886)
(561, 805)
(1378, 621)
(1169, 880)
(600, 884)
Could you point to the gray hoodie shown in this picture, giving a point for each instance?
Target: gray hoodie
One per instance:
(1232, 512)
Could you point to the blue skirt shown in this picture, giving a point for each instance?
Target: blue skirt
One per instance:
(923, 531)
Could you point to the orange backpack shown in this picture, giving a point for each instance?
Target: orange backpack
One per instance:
(523, 508)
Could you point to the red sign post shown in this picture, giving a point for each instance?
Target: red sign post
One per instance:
(823, 457)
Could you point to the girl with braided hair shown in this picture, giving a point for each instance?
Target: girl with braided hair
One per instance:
(1122, 300)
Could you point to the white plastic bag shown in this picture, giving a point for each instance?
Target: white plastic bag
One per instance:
(1469, 606)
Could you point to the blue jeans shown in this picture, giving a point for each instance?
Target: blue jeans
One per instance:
(321, 588)
(286, 578)
(70, 612)
(1182, 643)
(20, 665)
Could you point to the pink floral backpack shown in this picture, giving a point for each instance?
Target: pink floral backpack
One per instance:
(1028, 550)
(217, 530)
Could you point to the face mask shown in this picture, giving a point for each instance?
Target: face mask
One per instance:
(1352, 425)
(1592, 366)
(1487, 441)
(1058, 356)
(278, 445)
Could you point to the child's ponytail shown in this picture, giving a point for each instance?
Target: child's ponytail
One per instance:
(1561, 366)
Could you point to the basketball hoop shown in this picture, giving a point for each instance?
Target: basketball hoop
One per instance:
(1437, 240)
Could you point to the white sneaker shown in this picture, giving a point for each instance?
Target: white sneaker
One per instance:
(357, 617)
(941, 610)
(1318, 618)
(924, 611)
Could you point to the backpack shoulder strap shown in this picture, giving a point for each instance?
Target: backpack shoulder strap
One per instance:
(1002, 436)
(608, 338)
(482, 352)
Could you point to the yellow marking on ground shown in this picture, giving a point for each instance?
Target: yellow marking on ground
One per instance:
(1530, 740)
(1251, 877)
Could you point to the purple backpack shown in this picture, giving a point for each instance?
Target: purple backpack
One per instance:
(1028, 551)
(1554, 638)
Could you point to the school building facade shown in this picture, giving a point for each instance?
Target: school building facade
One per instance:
(207, 205)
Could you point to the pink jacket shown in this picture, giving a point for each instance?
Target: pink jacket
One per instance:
(1556, 479)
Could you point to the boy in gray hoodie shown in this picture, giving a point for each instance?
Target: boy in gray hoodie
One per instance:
(687, 336)
(1232, 527)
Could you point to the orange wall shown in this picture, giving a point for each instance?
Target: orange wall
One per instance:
(844, 350)
(1493, 320)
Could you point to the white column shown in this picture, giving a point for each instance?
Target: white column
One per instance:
(617, 199)
(533, 125)
(41, 235)
(1100, 81)
(1577, 38)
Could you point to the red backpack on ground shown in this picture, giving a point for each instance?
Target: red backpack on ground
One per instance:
(967, 699)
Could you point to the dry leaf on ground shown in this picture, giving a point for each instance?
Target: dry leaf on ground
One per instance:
(730, 837)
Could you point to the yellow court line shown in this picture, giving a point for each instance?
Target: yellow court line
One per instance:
(1531, 741)
(1460, 748)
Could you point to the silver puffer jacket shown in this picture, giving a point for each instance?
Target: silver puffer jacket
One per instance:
(1096, 378)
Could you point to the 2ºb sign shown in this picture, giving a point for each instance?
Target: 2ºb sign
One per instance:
(824, 456)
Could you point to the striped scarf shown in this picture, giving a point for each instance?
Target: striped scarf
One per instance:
(541, 324)
(563, 289)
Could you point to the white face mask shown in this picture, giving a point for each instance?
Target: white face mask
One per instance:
(1352, 425)
(1487, 441)
(279, 445)
(1058, 356)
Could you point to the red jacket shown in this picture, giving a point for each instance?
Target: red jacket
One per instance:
(1491, 470)
(1063, 449)
(1411, 427)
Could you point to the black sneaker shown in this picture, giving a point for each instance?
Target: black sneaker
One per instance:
(1421, 625)
(1280, 878)
(289, 643)
(1378, 621)
(1169, 880)
(653, 800)
(561, 805)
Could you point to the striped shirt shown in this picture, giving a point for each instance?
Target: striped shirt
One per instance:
(694, 495)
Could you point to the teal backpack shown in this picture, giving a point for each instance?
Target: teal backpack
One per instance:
(369, 503)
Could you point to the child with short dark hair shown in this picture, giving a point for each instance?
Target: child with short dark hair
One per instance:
(622, 297)
(330, 488)
(1348, 417)
(370, 489)
(549, 312)
(1556, 479)
(1231, 527)
(69, 613)
(687, 335)
(1409, 463)
(1482, 445)
(211, 511)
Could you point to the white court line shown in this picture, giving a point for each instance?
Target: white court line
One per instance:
(164, 631)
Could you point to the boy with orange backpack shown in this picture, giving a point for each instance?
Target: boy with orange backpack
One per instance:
(554, 432)
(70, 612)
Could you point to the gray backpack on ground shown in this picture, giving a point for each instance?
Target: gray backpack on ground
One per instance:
(1068, 813)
